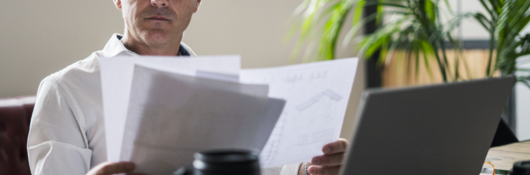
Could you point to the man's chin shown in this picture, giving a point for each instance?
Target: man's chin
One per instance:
(157, 38)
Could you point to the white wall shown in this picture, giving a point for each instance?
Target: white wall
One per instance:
(472, 29)
(38, 38)
(522, 106)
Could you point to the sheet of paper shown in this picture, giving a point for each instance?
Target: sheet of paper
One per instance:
(218, 76)
(116, 78)
(171, 116)
(317, 96)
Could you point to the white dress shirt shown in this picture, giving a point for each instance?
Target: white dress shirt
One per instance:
(67, 133)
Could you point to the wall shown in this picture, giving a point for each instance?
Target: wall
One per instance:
(522, 111)
(522, 101)
(471, 30)
(38, 38)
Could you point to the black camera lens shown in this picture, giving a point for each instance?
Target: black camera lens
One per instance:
(226, 162)
(521, 168)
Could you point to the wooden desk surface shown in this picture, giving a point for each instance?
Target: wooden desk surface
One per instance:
(503, 157)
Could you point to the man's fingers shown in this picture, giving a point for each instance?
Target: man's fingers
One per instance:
(328, 159)
(323, 170)
(338, 146)
(112, 168)
(329, 163)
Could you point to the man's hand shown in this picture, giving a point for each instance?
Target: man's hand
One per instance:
(330, 162)
(107, 168)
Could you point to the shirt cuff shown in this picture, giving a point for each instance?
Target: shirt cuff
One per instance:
(291, 169)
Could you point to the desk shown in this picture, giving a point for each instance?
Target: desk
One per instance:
(503, 157)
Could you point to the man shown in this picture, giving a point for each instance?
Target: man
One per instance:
(67, 134)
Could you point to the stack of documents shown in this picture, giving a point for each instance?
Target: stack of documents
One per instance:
(160, 110)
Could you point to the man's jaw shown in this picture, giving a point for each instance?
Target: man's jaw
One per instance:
(152, 42)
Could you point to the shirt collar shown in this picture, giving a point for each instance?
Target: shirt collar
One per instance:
(115, 47)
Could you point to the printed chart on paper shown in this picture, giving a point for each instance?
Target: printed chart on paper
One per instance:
(317, 96)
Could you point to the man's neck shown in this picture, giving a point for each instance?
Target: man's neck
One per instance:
(142, 48)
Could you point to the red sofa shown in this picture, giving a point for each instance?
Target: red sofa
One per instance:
(15, 116)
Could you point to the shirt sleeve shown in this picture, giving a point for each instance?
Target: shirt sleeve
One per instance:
(57, 143)
(291, 169)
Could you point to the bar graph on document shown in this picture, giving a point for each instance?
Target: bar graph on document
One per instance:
(317, 96)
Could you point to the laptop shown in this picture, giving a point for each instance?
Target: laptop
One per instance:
(436, 130)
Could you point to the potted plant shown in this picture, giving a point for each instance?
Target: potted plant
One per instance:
(416, 30)
(505, 20)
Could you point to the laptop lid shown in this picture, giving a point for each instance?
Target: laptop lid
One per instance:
(438, 129)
